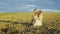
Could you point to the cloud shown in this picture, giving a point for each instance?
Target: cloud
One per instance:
(34, 0)
(30, 0)
(31, 8)
(45, 10)
(48, 2)
(1, 3)
(49, 10)
(28, 7)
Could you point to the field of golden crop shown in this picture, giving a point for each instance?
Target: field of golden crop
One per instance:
(19, 23)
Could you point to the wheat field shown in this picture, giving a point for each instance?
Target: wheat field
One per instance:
(19, 23)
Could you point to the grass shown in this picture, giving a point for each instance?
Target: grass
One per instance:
(18, 23)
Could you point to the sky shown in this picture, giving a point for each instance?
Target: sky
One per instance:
(29, 5)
